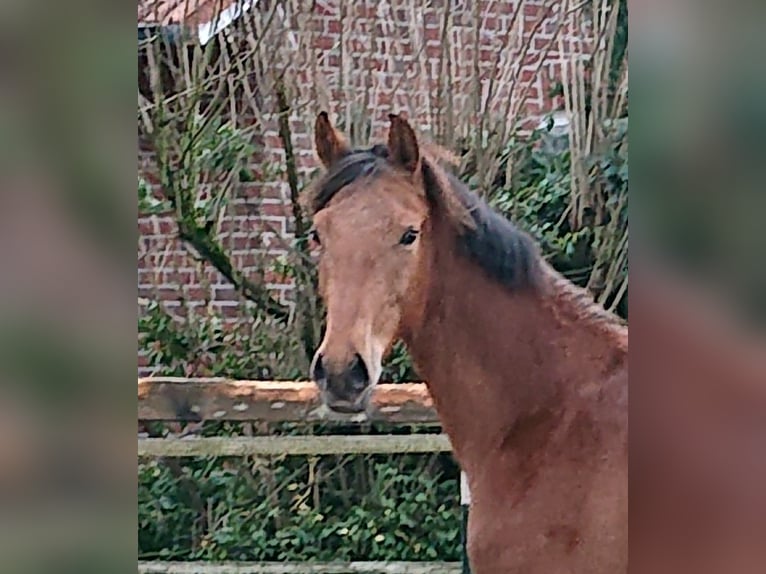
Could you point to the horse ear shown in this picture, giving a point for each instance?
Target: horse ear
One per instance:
(403, 144)
(330, 145)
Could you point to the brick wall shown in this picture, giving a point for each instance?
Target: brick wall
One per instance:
(393, 59)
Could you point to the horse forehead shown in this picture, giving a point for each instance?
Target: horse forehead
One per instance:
(373, 205)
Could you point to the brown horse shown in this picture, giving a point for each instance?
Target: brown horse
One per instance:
(528, 375)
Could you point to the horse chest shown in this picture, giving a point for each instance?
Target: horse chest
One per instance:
(557, 524)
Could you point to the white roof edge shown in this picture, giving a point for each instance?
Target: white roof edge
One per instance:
(206, 31)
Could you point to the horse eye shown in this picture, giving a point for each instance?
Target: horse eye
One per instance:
(409, 237)
(314, 236)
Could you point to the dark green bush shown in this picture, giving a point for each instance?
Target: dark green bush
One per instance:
(352, 508)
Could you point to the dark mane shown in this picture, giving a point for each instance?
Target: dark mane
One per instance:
(503, 251)
(506, 253)
(358, 163)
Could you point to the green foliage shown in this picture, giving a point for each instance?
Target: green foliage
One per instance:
(611, 163)
(352, 508)
(398, 367)
(206, 345)
(621, 40)
(215, 154)
(223, 147)
(148, 202)
(537, 197)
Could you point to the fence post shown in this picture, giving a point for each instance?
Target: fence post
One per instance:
(465, 503)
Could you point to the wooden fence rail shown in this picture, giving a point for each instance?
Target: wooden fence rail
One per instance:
(193, 400)
(294, 445)
(179, 399)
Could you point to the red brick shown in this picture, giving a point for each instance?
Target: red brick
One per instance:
(248, 260)
(433, 50)
(331, 59)
(324, 8)
(234, 225)
(145, 276)
(168, 260)
(525, 76)
(212, 276)
(490, 22)
(225, 293)
(153, 243)
(146, 226)
(384, 100)
(532, 95)
(431, 19)
(271, 140)
(534, 11)
(176, 310)
(433, 34)
(146, 291)
(166, 225)
(162, 293)
(363, 10)
(257, 208)
(149, 173)
(246, 242)
(306, 163)
(528, 124)
(264, 190)
(196, 293)
(488, 54)
(326, 41)
(505, 7)
(179, 277)
(229, 311)
(248, 229)
(530, 59)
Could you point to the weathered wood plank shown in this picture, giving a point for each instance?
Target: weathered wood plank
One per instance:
(294, 445)
(298, 568)
(180, 399)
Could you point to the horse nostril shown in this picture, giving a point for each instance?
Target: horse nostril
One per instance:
(359, 377)
(319, 373)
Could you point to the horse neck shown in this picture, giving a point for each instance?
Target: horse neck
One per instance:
(492, 357)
